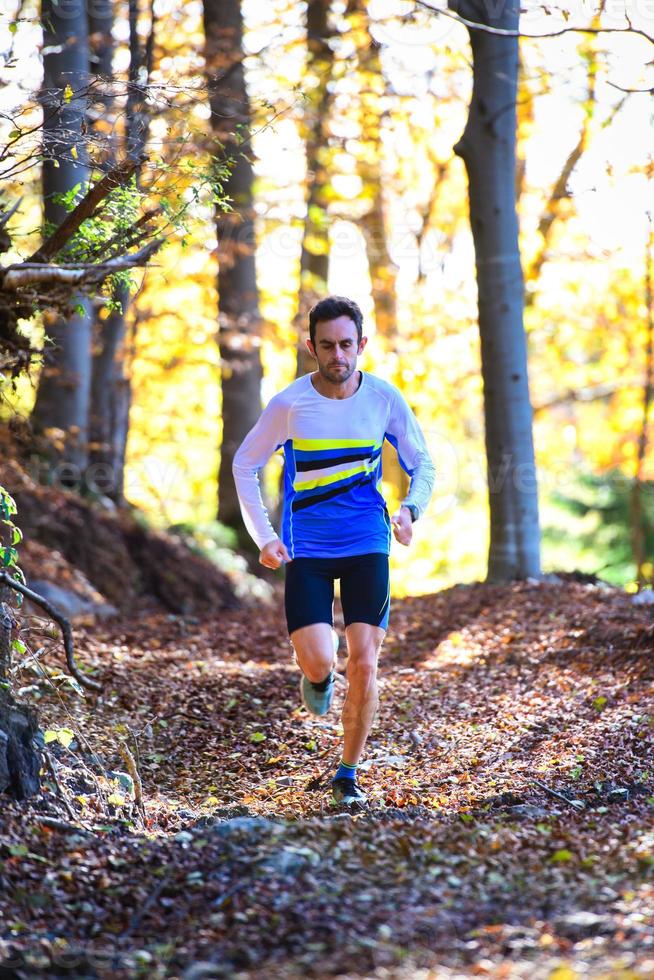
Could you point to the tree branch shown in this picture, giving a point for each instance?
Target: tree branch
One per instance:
(6, 215)
(27, 273)
(506, 32)
(128, 237)
(63, 623)
(86, 208)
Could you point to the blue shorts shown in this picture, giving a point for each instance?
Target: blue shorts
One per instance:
(365, 590)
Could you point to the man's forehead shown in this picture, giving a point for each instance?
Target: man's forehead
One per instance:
(341, 328)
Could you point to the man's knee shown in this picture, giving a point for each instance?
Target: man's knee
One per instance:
(314, 650)
(362, 665)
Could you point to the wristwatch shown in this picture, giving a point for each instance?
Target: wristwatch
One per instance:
(413, 510)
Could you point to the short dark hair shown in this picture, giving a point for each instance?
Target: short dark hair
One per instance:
(332, 307)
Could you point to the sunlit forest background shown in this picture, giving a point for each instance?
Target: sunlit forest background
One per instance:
(392, 99)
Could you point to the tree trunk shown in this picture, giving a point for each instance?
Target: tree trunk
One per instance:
(637, 513)
(487, 148)
(108, 438)
(239, 321)
(314, 257)
(108, 331)
(111, 389)
(383, 271)
(62, 400)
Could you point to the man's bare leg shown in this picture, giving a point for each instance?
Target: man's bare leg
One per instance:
(363, 644)
(314, 649)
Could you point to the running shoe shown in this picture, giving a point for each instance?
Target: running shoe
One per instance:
(317, 702)
(348, 792)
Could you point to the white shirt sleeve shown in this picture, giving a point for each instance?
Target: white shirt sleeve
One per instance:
(407, 437)
(268, 435)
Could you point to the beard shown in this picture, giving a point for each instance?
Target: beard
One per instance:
(336, 376)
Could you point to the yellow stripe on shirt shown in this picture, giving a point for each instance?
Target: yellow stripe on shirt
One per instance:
(307, 445)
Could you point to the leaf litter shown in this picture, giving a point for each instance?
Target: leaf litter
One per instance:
(511, 786)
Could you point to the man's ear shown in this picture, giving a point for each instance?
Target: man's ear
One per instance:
(364, 341)
(311, 348)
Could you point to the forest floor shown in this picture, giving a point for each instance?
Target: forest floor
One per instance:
(493, 700)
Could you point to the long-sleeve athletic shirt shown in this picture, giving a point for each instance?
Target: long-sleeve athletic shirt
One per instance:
(333, 506)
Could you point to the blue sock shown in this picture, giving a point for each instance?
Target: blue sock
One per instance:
(345, 771)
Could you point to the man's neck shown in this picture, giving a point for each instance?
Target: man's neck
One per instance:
(338, 391)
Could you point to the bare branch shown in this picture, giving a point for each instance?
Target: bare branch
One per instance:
(575, 804)
(6, 215)
(27, 273)
(63, 623)
(631, 91)
(506, 32)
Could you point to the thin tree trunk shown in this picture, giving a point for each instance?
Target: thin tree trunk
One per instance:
(637, 514)
(107, 330)
(487, 148)
(239, 321)
(314, 257)
(62, 400)
(373, 225)
(137, 131)
(111, 389)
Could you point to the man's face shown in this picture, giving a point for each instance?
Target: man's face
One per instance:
(336, 348)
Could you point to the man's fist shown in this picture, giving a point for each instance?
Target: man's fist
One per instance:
(273, 554)
(402, 526)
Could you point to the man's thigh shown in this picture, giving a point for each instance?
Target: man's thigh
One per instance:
(365, 591)
(308, 593)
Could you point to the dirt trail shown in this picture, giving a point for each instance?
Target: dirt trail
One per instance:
(493, 700)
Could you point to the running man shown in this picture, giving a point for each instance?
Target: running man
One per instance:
(335, 525)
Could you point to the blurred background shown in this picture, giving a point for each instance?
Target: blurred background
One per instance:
(344, 180)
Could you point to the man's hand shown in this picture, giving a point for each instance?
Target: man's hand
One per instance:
(402, 526)
(273, 554)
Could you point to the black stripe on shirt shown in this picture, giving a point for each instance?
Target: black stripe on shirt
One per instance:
(320, 464)
(300, 503)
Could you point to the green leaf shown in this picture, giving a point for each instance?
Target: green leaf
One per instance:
(562, 855)
(18, 850)
(9, 556)
(257, 737)
(116, 799)
(18, 647)
(65, 736)
(13, 27)
(599, 702)
(62, 735)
